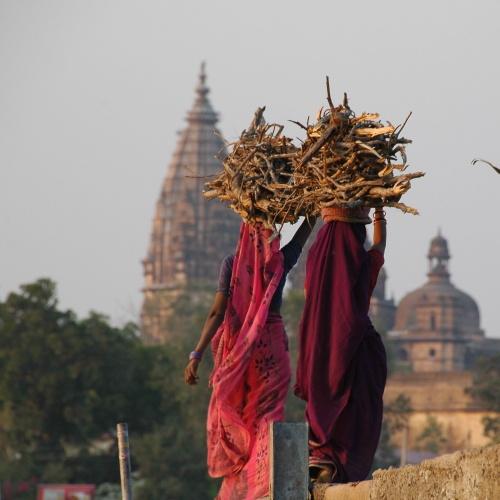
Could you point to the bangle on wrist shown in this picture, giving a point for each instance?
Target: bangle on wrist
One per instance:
(195, 355)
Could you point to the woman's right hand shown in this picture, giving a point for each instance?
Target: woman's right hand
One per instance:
(191, 372)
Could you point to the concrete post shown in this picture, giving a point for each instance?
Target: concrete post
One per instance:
(289, 461)
(124, 457)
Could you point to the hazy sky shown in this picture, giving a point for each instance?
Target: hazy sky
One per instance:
(92, 93)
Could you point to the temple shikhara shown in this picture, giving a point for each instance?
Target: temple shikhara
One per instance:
(190, 235)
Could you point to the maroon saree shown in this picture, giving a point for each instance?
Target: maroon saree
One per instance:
(341, 369)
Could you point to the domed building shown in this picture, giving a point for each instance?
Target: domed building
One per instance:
(436, 338)
(437, 326)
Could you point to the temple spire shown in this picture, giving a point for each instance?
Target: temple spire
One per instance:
(202, 89)
(189, 235)
(202, 111)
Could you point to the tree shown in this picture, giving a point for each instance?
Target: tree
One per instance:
(396, 416)
(64, 384)
(385, 455)
(432, 438)
(486, 389)
(171, 458)
(397, 413)
(293, 306)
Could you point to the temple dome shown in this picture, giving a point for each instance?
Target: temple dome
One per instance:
(438, 306)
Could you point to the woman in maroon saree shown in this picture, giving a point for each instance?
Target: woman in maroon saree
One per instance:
(251, 372)
(341, 369)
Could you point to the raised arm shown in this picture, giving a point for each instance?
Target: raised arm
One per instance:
(212, 323)
(379, 230)
(304, 231)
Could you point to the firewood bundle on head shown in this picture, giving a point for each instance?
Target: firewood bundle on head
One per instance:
(350, 161)
(344, 161)
(257, 176)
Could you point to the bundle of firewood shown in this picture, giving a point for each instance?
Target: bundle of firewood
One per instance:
(258, 175)
(345, 160)
(348, 160)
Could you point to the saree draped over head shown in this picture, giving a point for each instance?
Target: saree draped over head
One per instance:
(251, 370)
(341, 370)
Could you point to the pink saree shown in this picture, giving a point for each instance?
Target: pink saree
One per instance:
(251, 371)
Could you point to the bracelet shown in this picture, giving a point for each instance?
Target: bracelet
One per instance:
(195, 355)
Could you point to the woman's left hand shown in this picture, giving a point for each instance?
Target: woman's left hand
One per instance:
(191, 372)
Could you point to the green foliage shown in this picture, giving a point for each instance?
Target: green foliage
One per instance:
(293, 305)
(397, 413)
(172, 456)
(432, 437)
(385, 455)
(486, 389)
(64, 384)
(492, 428)
(108, 491)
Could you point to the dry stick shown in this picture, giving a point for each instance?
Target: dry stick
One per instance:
(318, 145)
(403, 207)
(299, 124)
(401, 127)
(124, 458)
(346, 101)
(329, 96)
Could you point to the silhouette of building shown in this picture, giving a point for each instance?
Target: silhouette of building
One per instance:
(190, 235)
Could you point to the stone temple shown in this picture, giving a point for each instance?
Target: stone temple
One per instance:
(190, 235)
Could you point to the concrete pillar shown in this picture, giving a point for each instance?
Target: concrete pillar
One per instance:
(289, 461)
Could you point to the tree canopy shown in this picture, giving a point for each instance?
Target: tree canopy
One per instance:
(64, 384)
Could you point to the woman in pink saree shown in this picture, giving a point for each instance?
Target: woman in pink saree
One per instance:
(251, 372)
(341, 370)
